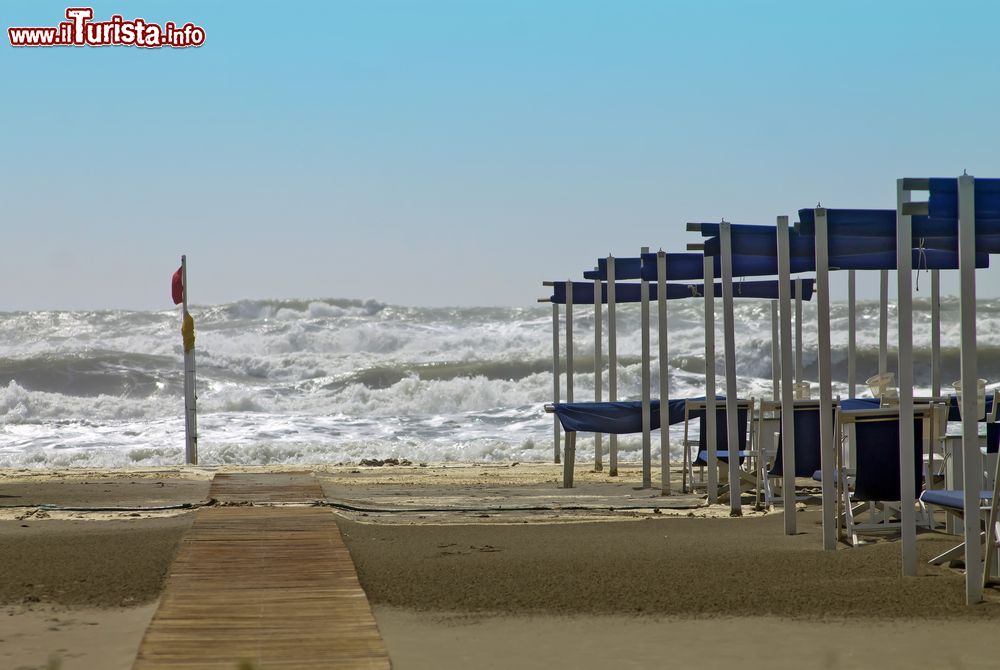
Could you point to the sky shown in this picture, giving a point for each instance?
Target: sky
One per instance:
(460, 153)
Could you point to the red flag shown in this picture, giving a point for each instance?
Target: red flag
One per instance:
(177, 286)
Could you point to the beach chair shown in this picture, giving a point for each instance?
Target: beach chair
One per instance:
(936, 456)
(807, 450)
(953, 503)
(992, 447)
(873, 483)
(695, 409)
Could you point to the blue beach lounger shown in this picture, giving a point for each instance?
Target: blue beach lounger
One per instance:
(807, 447)
(694, 408)
(953, 502)
(875, 485)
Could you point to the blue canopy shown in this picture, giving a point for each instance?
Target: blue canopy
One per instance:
(882, 223)
(712, 229)
(766, 244)
(583, 292)
(625, 268)
(614, 417)
(846, 253)
(922, 259)
(854, 233)
(743, 266)
(943, 201)
(851, 222)
(680, 267)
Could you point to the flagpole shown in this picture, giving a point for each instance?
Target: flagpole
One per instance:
(190, 398)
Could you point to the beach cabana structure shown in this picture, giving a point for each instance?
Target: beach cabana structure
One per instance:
(862, 240)
(964, 214)
(616, 417)
(805, 442)
(877, 471)
(758, 247)
(655, 270)
(697, 408)
(622, 268)
(611, 269)
(713, 265)
(789, 252)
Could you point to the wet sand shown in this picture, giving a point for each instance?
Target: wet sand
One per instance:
(508, 570)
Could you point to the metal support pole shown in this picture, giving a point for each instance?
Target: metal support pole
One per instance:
(710, 446)
(828, 457)
(732, 402)
(936, 333)
(569, 341)
(798, 330)
(787, 392)
(569, 463)
(904, 367)
(612, 363)
(598, 368)
(647, 474)
(190, 388)
(661, 302)
(555, 381)
(570, 443)
(883, 321)
(775, 360)
(972, 479)
(852, 337)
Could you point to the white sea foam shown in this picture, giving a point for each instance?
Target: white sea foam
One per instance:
(328, 381)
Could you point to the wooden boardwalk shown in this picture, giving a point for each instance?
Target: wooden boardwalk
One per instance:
(263, 587)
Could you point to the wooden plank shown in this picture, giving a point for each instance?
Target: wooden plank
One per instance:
(281, 487)
(272, 586)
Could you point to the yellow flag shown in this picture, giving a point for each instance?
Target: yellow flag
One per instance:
(187, 332)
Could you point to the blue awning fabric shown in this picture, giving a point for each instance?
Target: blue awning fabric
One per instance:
(943, 201)
(626, 416)
(743, 266)
(680, 267)
(877, 468)
(625, 268)
(583, 292)
(614, 417)
(756, 244)
(942, 219)
(712, 229)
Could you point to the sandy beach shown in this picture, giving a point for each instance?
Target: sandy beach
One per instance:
(494, 566)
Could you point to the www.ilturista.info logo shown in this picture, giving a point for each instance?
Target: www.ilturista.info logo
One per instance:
(81, 31)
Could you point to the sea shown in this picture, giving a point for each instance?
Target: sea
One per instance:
(329, 381)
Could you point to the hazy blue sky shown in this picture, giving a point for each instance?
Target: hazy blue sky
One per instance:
(462, 152)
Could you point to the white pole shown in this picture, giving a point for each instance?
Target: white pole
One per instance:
(570, 456)
(569, 341)
(787, 392)
(555, 379)
(190, 395)
(775, 362)
(612, 362)
(883, 321)
(827, 447)
(798, 330)
(972, 480)
(904, 366)
(569, 463)
(661, 302)
(647, 468)
(852, 337)
(713, 463)
(936, 333)
(598, 369)
(732, 402)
